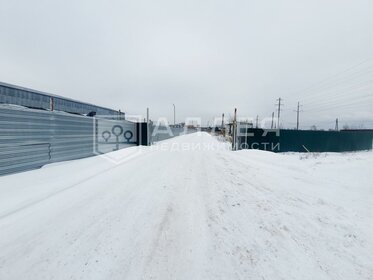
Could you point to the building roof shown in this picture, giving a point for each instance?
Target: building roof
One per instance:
(50, 95)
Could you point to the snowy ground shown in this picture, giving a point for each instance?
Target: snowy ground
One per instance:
(171, 213)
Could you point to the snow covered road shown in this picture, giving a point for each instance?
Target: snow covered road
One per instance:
(174, 213)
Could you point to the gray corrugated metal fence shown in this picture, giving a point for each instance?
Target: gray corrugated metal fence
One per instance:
(32, 138)
(23, 157)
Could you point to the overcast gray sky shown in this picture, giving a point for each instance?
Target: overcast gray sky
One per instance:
(207, 57)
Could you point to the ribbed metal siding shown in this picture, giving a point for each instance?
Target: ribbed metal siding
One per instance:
(9, 95)
(23, 157)
(71, 137)
(14, 95)
(113, 143)
(32, 138)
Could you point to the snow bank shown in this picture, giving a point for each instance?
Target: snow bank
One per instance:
(190, 214)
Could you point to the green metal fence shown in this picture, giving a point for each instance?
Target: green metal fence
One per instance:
(284, 140)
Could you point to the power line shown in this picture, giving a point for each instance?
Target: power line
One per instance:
(344, 93)
(362, 101)
(341, 93)
(312, 86)
(343, 81)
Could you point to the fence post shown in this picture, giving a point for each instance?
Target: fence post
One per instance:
(234, 140)
(147, 128)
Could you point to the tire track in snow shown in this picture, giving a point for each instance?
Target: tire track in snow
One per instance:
(181, 237)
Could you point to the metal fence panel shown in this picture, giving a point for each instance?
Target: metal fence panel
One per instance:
(112, 135)
(32, 138)
(285, 140)
(23, 157)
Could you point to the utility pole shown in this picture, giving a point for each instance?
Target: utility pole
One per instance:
(174, 114)
(147, 128)
(336, 125)
(298, 111)
(222, 125)
(234, 144)
(257, 121)
(279, 104)
(273, 116)
(298, 117)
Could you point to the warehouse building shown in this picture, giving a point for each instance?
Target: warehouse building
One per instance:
(11, 94)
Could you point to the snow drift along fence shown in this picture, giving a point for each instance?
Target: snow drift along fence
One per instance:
(161, 133)
(285, 140)
(32, 138)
